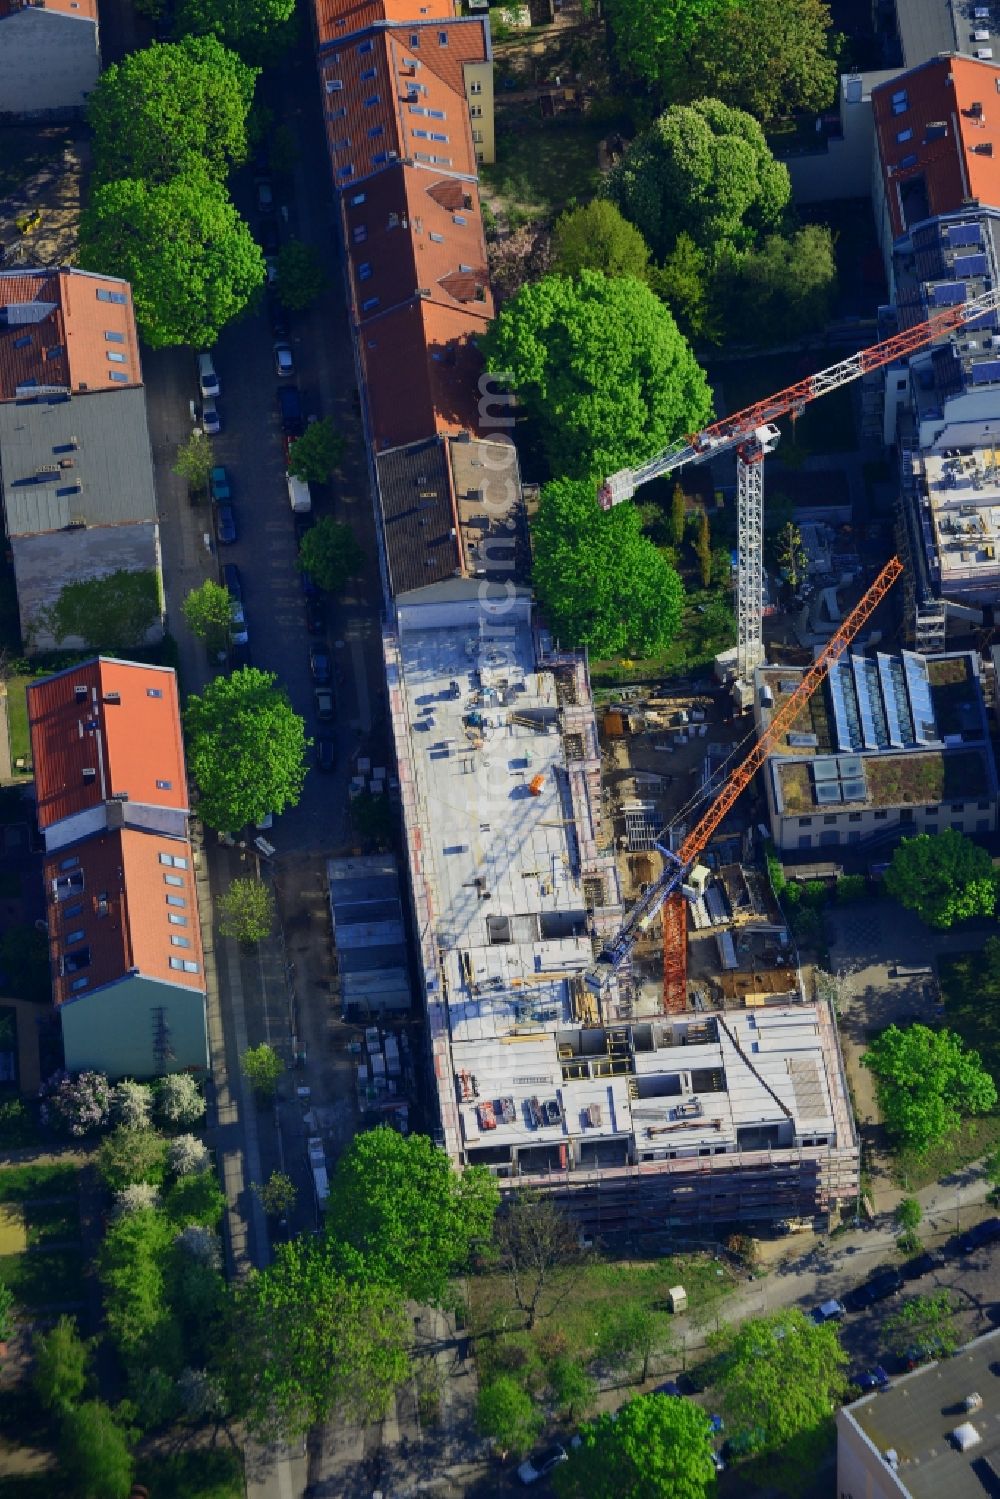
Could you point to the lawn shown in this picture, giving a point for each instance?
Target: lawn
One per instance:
(542, 165)
(202, 1473)
(18, 1183)
(42, 1278)
(51, 1223)
(707, 627)
(824, 427)
(17, 719)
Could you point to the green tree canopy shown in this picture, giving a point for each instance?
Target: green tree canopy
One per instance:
(628, 1336)
(506, 1413)
(601, 582)
(655, 40)
(924, 1324)
(113, 614)
(400, 1216)
(165, 108)
(258, 29)
(262, 1068)
(927, 1083)
(24, 960)
(195, 460)
(780, 1379)
(277, 1195)
(537, 1247)
(944, 877)
(655, 1445)
(62, 1365)
(192, 261)
(600, 365)
(306, 1342)
(246, 749)
(705, 170)
(685, 281)
(302, 278)
(246, 911)
(330, 554)
(781, 290)
(208, 612)
(132, 1155)
(315, 454)
(132, 1263)
(94, 1457)
(597, 238)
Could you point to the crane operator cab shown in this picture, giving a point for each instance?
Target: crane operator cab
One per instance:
(764, 440)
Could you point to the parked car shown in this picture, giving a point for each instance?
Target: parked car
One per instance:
(315, 616)
(319, 664)
(324, 704)
(302, 520)
(284, 364)
(208, 380)
(238, 633)
(883, 1283)
(218, 483)
(265, 196)
(325, 754)
(922, 1264)
(290, 410)
(267, 236)
(986, 1232)
(225, 524)
(271, 267)
(540, 1464)
(308, 586)
(670, 1387)
(277, 316)
(872, 1379)
(231, 580)
(210, 419)
(828, 1311)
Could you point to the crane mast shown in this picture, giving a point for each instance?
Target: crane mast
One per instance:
(667, 889)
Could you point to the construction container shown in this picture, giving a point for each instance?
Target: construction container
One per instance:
(677, 1299)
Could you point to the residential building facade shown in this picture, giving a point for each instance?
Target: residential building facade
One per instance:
(50, 56)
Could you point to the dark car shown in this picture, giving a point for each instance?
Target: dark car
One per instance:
(325, 755)
(277, 316)
(872, 1379)
(922, 1264)
(267, 236)
(319, 664)
(308, 586)
(315, 616)
(265, 196)
(219, 485)
(671, 1387)
(324, 704)
(290, 410)
(986, 1232)
(225, 524)
(231, 580)
(303, 521)
(885, 1282)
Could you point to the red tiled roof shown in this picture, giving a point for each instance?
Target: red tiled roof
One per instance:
(53, 331)
(943, 132)
(79, 10)
(133, 741)
(421, 369)
(123, 924)
(339, 18)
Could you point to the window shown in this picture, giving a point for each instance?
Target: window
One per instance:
(982, 806)
(104, 295)
(118, 376)
(421, 135)
(831, 817)
(73, 961)
(476, 86)
(369, 305)
(375, 130)
(805, 822)
(442, 38)
(154, 691)
(357, 200)
(77, 936)
(173, 879)
(177, 900)
(65, 885)
(334, 85)
(476, 111)
(116, 358)
(346, 171)
(958, 806)
(190, 967)
(364, 47)
(114, 338)
(371, 101)
(414, 39)
(900, 102)
(903, 136)
(437, 136)
(176, 920)
(881, 816)
(73, 863)
(477, 136)
(438, 239)
(164, 785)
(359, 233)
(342, 144)
(854, 817)
(379, 159)
(367, 75)
(436, 114)
(23, 342)
(932, 811)
(459, 219)
(467, 269)
(179, 941)
(365, 271)
(910, 160)
(79, 984)
(174, 860)
(73, 910)
(55, 352)
(337, 114)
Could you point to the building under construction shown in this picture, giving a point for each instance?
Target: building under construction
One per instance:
(636, 1124)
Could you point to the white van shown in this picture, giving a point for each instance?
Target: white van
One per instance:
(208, 380)
(299, 495)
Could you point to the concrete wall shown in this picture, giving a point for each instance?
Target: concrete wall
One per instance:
(113, 1029)
(841, 168)
(47, 61)
(820, 829)
(44, 564)
(167, 820)
(861, 1471)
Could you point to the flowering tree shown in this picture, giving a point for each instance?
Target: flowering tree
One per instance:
(179, 1100)
(132, 1104)
(135, 1197)
(201, 1244)
(187, 1155)
(77, 1105)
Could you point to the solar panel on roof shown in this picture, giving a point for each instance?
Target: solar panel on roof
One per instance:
(964, 234)
(971, 265)
(853, 791)
(986, 372)
(948, 293)
(827, 792)
(824, 768)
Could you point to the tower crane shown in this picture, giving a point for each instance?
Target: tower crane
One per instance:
(667, 892)
(753, 434)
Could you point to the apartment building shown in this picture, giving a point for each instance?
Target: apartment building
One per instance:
(76, 467)
(128, 972)
(50, 56)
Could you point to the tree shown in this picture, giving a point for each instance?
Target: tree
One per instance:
(132, 1266)
(909, 1214)
(132, 1155)
(246, 749)
(112, 614)
(165, 108)
(208, 612)
(257, 29)
(703, 548)
(792, 555)
(302, 278)
(927, 1083)
(522, 256)
(373, 818)
(306, 1341)
(507, 1415)
(780, 1378)
(247, 911)
(314, 456)
(790, 64)
(655, 1445)
(538, 1249)
(782, 290)
(93, 1452)
(400, 1216)
(944, 877)
(597, 238)
(192, 261)
(62, 1365)
(24, 958)
(132, 1104)
(598, 363)
(262, 1067)
(705, 170)
(278, 1195)
(195, 460)
(678, 514)
(601, 583)
(654, 39)
(573, 1387)
(685, 281)
(925, 1325)
(136, 1198)
(77, 1105)
(197, 1198)
(188, 1156)
(330, 554)
(628, 1336)
(179, 1102)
